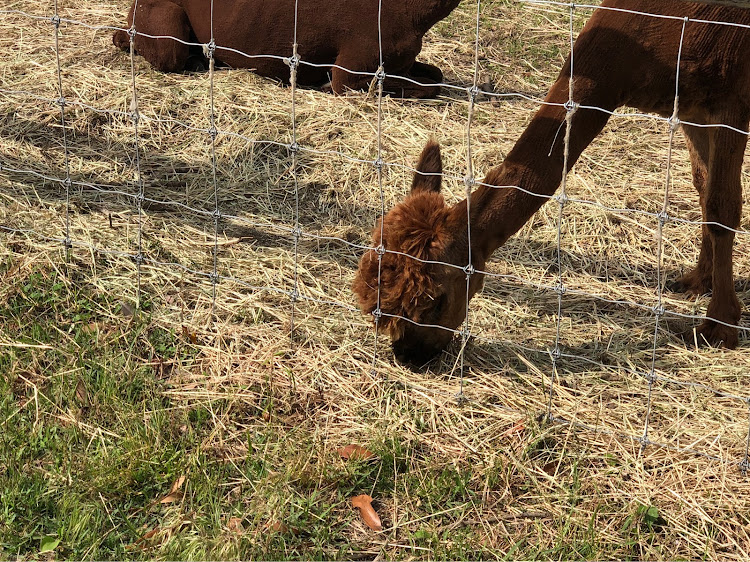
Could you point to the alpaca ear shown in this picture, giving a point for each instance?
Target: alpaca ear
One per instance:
(430, 163)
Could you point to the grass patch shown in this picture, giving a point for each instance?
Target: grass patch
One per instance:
(194, 427)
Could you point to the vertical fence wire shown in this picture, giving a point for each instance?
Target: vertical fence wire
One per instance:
(562, 199)
(469, 182)
(210, 50)
(135, 117)
(380, 250)
(55, 20)
(293, 63)
(663, 217)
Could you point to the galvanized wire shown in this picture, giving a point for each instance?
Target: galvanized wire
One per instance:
(297, 233)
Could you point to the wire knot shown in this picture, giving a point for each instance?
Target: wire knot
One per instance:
(217, 214)
(209, 49)
(293, 61)
(378, 163)
(674, 122)
(67, 243)
(560, 289)
(461, 399)
(570, 106)
(744, 465)
(131, 33)
(380, 250)
(659, 310)
(380, 75)
(138, 258)
(651, 378)
(469, 270)
(55, 20)
(214, 278)
(555, 354)
(562, 199)
(469, 181)
(663, 218)
(473, 92)
(377, 313)
(294, 147)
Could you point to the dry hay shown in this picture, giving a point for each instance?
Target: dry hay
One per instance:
(606, 334)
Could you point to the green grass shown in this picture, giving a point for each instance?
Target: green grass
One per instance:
(92, 440)
(90, 444)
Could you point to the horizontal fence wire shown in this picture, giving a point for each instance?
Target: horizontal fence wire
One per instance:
(557, 352)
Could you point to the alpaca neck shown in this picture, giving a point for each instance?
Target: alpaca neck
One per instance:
(535, 164)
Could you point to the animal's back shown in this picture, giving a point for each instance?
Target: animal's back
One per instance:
(640, 52)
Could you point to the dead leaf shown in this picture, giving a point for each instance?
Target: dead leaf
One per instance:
(235, 525)
(171, 498)
(145, 537)
(177, 484)
(519, 426)
(82, 394)
(91, 329)
(367, 512)
(126, 310)
(355, 452)
(189, 335)
(148, 535)
(174, 492)
(276, 526)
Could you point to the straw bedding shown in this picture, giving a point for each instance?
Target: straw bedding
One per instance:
(608, 263)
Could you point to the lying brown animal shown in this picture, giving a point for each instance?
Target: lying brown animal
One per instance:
(329, 32)
(620, 59)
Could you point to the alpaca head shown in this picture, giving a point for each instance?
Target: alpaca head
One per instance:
(422, 302)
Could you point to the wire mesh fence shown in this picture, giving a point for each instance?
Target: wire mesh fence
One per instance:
(239, 155)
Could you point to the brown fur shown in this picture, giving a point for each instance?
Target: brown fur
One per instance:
(620, 59)
(341, 32)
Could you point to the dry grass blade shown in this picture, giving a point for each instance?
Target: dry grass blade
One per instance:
(580, 486)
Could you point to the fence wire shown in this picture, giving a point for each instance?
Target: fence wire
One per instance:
(212, 50)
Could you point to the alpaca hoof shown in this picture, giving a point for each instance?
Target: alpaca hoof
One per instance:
(713, 334)
(691, 284)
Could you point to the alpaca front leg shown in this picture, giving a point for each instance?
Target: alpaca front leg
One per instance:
(423, 70)
(723, 205)
(699, 280)
(343, 79)
(724, 309)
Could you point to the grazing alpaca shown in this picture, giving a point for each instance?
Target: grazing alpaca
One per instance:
(340, 32)
(619, 59)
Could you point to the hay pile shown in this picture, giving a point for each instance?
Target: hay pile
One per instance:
(697, 403)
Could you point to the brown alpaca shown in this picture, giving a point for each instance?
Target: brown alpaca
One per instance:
(619, 59)
(340, 32)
